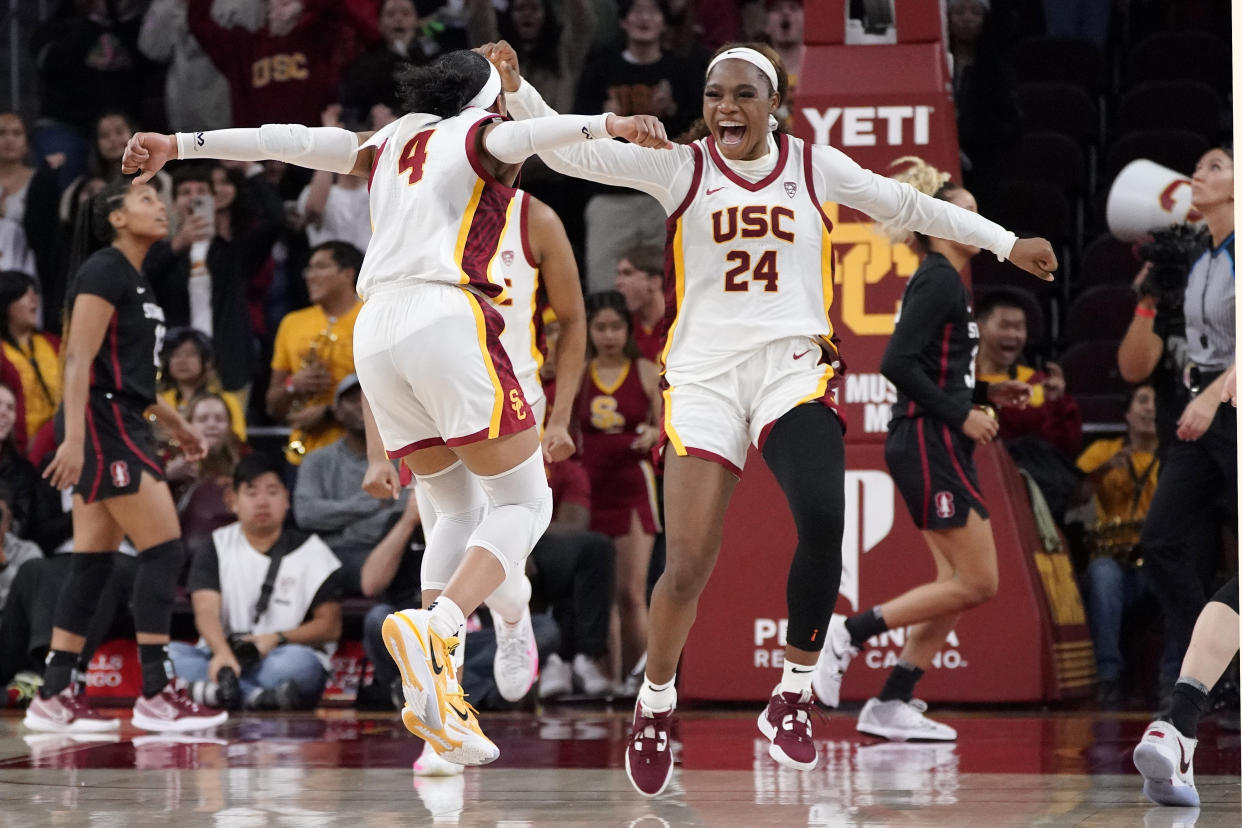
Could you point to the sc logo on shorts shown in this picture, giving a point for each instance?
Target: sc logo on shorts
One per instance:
(120, 474)
(517, 403)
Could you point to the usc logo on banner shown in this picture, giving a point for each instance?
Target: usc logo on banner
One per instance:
(861, 273)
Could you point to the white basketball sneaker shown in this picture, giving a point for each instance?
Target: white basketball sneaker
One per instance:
(834, 659)
(902, 722)
(429, 763)
(592, 678)
(1166, 759)
(556, 678)
(516, 665)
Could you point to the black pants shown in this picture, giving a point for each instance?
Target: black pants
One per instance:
(26, 625)
(1180, 534)
(574, 573)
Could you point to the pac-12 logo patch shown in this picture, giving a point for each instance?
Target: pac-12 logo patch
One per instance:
(791, 188)
(506, 256)
(120, 474)
(944, 505)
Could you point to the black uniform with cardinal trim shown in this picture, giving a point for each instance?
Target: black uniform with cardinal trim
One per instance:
(118, 444)
(931, 360)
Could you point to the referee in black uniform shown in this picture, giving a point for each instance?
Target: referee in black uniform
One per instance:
(939, 415)
(1201, 466)
(112, 350)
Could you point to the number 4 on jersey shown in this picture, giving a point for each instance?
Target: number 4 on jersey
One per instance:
(414, 156)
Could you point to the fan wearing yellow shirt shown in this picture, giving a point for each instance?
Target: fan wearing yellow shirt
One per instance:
(34, 355)
(188, 369)
(314, 350)
(1121, 473)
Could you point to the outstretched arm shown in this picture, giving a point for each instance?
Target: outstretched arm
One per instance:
(665, 176)
(320, 148)
(839, 178)
(512, 142)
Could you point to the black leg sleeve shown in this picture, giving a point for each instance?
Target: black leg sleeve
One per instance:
(155, 586)
(806, 452)
(1228, 594)
(113, 609)
(79, 594)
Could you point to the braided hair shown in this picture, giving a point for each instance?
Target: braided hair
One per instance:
(444, 86)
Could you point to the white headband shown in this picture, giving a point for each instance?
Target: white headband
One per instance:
(490, 91)
(752, 57)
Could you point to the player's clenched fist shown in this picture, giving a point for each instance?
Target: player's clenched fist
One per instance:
(148, 152)
(643, 130)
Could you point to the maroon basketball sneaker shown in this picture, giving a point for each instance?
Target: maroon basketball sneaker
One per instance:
(67, 712)
(171, 710)
(649, 755)
(786, 722)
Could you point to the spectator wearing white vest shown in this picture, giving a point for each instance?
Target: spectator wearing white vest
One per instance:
(266, 602)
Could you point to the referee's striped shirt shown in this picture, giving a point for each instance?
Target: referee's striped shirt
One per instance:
(1209, 308)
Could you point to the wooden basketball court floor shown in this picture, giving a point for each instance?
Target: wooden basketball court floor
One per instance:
(564, 766)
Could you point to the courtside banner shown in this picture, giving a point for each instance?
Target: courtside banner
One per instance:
(1001, 651)
(875, 104)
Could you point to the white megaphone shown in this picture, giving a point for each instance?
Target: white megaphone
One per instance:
(1145, 197)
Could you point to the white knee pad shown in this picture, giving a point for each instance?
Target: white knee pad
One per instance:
(510, 598)
(520, 508)
(456, 503)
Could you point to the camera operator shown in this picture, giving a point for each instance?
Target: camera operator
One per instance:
(1154, 348)
(1179, 539)
(266, 603)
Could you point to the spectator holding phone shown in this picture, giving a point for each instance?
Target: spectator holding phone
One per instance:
(200, 278)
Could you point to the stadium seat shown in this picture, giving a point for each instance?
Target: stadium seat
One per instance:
(1053, 60)
(1035, 207)
(1185, 55)
(1051, 158)
(1060, 107)
(1048, 157)
(1094, 380)
(1100, 312)
(1191, 105)
(1107, 261)
(1177, 149)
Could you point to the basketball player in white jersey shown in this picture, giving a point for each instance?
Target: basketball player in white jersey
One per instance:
(440, 387)
(534, 261)
(750, 357)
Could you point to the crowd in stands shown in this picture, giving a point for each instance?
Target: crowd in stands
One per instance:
(257, 282)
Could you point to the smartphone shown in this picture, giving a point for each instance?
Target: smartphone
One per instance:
(204, 207)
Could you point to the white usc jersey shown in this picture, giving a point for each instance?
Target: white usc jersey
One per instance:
(515, 268)
(437, 213)
(750, 263)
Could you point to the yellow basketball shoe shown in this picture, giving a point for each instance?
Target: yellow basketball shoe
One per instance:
(426, 664)
(461, 740)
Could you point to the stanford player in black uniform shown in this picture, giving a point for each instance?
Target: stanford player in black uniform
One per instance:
(939, 415)
(112, 349)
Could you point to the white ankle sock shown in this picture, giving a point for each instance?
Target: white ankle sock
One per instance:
(658, 697)
(447, 619)
(796, 678)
